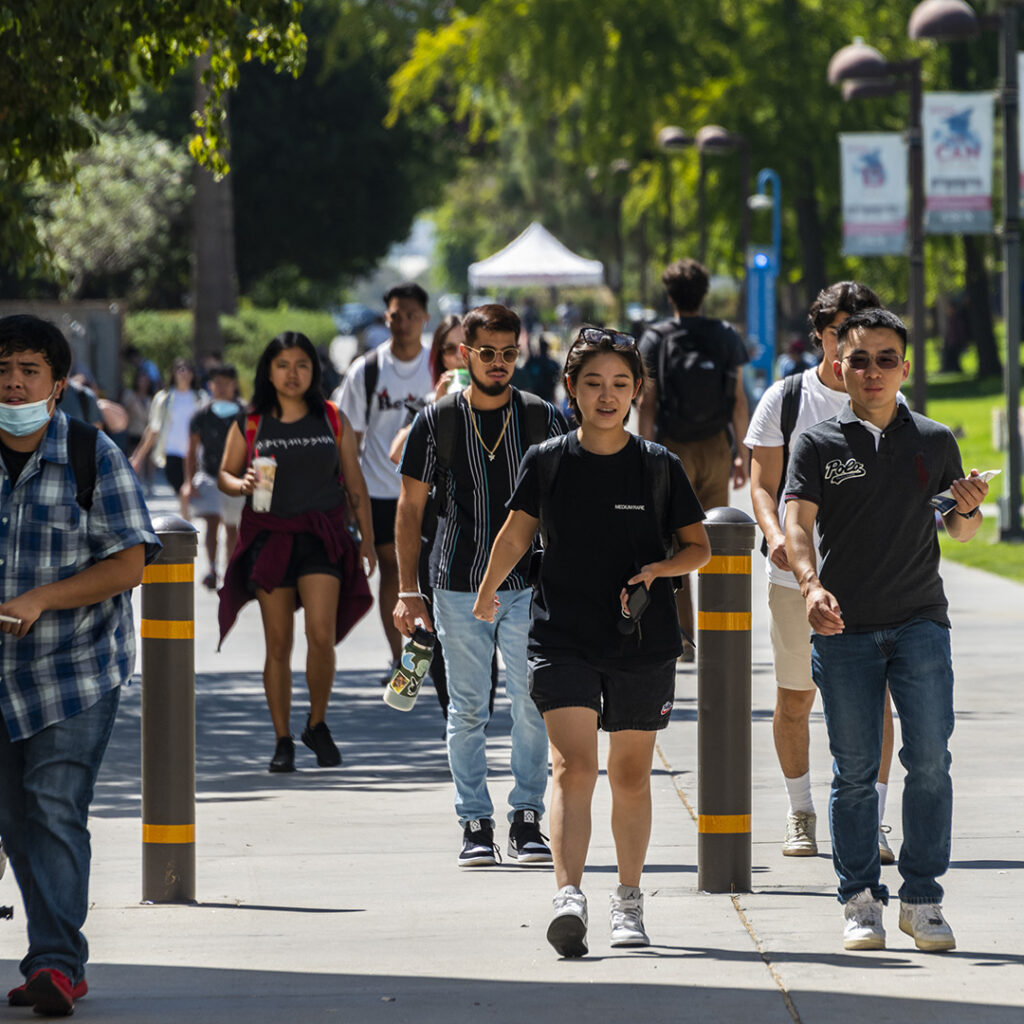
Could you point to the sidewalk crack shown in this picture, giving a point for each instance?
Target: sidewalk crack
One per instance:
(776, 977)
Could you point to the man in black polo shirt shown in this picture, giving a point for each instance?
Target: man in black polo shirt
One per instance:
(878, 612)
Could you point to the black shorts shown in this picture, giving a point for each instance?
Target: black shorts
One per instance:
(382, 511)
(624, 695)
(309, 558)
(174, 471)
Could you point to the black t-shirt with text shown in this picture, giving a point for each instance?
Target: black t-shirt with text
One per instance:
(308, 467)
(472, 496)
(211, 422)
(602, 532)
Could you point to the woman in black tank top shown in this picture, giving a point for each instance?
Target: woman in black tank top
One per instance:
(299, 551)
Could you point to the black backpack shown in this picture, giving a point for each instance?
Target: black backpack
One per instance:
(537, 417)
(696, 383)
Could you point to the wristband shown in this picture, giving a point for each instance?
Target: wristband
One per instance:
(411, 593)
(966, 515)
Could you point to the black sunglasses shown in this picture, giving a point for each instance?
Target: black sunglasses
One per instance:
(487, 354)
(597, 335)
(884, 360)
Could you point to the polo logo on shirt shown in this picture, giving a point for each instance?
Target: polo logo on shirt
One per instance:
(837, 471)
(630, 508)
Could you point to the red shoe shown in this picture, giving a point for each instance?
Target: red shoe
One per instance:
(50, 992)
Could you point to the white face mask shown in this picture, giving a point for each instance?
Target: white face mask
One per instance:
(26, 418)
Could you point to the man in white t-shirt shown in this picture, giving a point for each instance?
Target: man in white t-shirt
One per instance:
(821, 396)
(390, 375)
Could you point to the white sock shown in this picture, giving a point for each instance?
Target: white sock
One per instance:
(882, 789)
(799, 792)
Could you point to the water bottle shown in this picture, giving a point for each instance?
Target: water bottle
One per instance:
(404, 685)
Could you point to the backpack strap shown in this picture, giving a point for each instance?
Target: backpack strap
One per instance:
(549, 458)
(371, 374)
(82, 455)
(334, 419)
(792, 391)
(538, 417)
(656, 482)
(252, 428)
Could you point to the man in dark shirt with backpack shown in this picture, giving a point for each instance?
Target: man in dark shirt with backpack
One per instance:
(696, 396)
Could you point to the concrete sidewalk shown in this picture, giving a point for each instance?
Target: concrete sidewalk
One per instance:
(333, 895)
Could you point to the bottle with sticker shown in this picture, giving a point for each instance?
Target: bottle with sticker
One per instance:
(404, 685)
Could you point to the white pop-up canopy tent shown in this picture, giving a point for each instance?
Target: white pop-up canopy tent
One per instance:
(536, 257)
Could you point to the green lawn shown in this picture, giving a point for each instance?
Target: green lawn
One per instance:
(965, 405)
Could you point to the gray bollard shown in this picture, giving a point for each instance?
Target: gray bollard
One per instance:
(169, 718)
(723, 705)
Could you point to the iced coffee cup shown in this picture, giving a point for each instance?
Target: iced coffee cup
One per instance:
(266, 470)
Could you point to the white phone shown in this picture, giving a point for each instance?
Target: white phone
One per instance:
(945, 502)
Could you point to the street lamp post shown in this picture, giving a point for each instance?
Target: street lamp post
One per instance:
(762, 274)
(671, 140)
(865, 72)
(955, 19)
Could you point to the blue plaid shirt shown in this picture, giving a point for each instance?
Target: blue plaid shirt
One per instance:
(71, 658)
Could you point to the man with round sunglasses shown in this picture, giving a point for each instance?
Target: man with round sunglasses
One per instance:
(878, 615)
(474, 472)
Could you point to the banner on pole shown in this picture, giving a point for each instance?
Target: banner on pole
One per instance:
(958, 134)
(874, 181)
(1020, 128)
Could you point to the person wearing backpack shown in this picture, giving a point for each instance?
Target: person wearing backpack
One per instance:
(695, 405)
(75, 536)
(300, 551)
(785, 411)
(611, 509)
(469, 445)
(373, 396)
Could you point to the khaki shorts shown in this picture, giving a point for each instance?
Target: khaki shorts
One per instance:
(791, 638)
(708, 466)
(208, 500)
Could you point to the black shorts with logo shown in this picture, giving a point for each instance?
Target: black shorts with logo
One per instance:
(625, 695)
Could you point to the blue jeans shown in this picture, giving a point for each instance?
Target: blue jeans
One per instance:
(46, 786)
(468, 646)
(851, 671)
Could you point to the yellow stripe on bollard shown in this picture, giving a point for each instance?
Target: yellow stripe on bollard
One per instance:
(723, 823)
(724, 621)
(181, 572)
(168, 833)
(726, 565)
(168, 629)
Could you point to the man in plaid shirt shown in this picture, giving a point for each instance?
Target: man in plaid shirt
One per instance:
(67, 643)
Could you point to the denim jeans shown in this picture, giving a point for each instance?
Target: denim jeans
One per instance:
(851, 671)
(46, 786)
(468, 646)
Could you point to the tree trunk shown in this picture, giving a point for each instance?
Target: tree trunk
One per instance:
(979, 308)
(214, 276)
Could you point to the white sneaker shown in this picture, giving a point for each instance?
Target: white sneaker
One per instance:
(568, 929)
(800, 841)
(924, 921)
(885, 854)
(627, 916)
(863, 929)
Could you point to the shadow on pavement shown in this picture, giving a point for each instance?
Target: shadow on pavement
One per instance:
(257, 996)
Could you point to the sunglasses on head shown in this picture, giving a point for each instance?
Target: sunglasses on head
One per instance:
(596, 335)
(884, 360)
(487, 353)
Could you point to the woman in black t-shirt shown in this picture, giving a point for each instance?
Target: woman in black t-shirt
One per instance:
(300, 551)
(592, 494)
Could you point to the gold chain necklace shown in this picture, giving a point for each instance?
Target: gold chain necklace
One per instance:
(491, 452)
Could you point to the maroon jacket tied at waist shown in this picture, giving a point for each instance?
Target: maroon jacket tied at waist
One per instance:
(330, 527)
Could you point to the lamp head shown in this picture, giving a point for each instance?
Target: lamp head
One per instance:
(856, 60)
(942, 20)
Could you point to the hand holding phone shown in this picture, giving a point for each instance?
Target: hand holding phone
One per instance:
(638, 597)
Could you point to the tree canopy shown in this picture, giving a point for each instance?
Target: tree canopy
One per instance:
(68, 63)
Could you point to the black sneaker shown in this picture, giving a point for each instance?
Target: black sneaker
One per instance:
(284, 755)
(318, 738)
(525, 842)
(478, 849)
